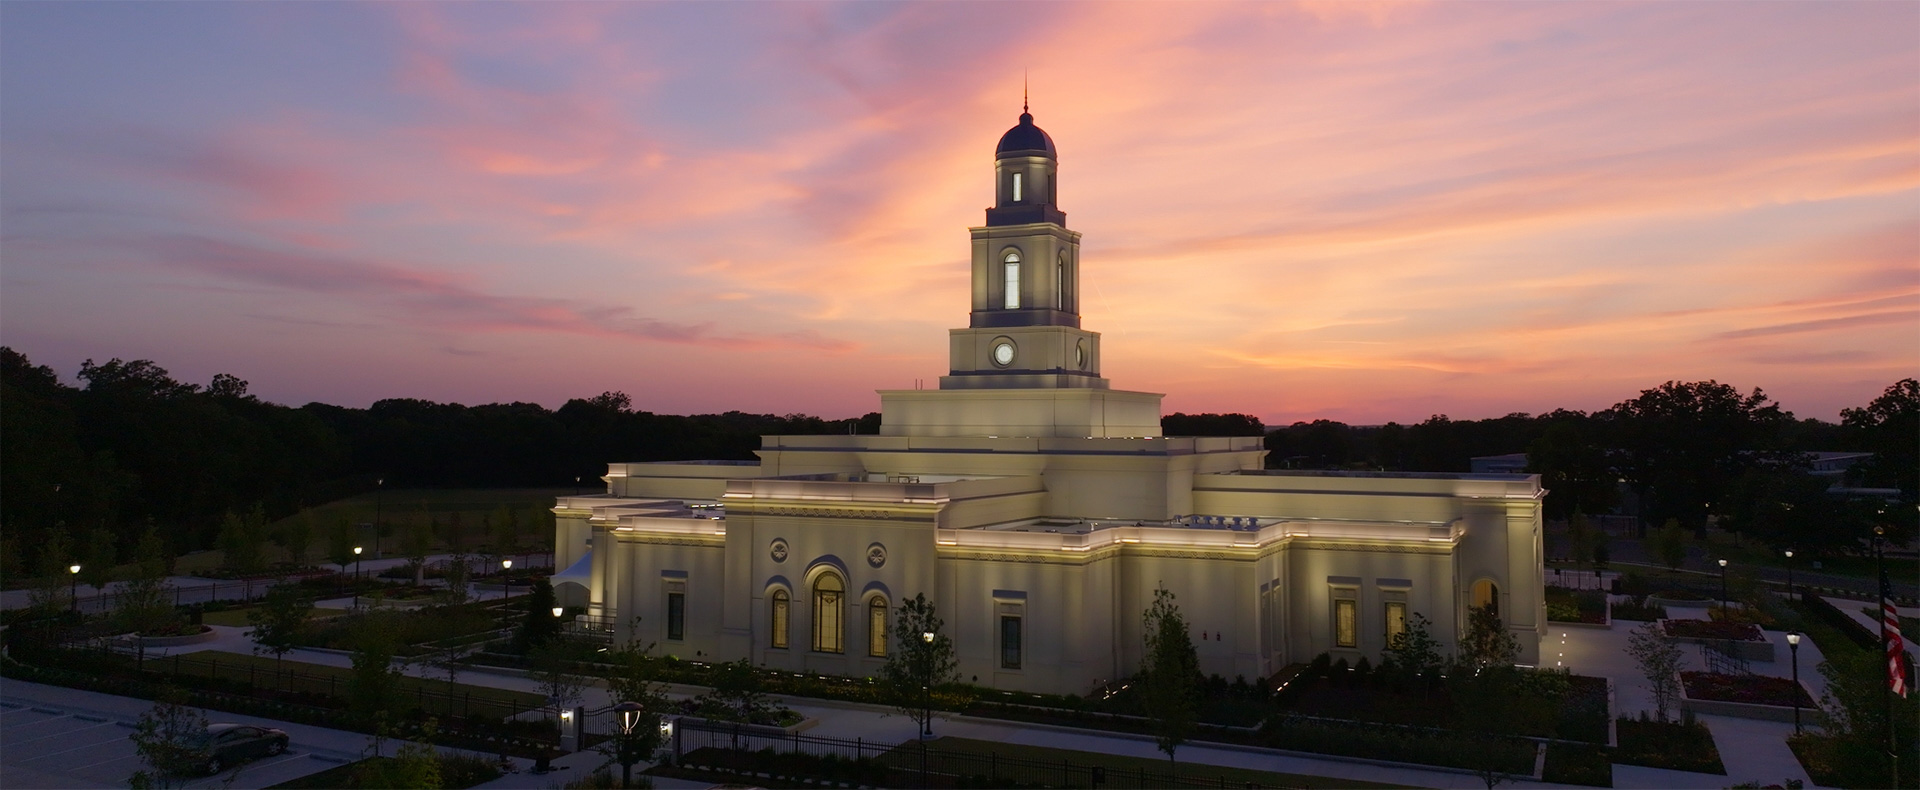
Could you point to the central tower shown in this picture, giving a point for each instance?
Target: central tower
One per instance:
(1024, 331)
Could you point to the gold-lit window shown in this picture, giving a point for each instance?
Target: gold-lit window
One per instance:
(877, 627)
(1346, 629)
(779, 610)
(829, 615)
(1396, 619)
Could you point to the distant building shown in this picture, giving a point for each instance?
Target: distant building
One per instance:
(1039, 509)
(1509, 464)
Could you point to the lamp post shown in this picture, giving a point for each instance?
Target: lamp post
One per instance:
(630, 713)
(926, 685)
(1886, 684)
(1793, 646)
(379, 488)
(73, 587)
(1723, 589)
(356, 577)
(1790, 575)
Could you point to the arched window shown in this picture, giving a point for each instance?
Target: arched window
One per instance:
(1016, 185)
(829, 614)
(877, 627)
(1060, 284)
(779, 610)
(1486, 593)
(1012, 280)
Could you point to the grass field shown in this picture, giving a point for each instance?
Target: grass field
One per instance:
(437, 696)
(1234, 777)
(238, 617)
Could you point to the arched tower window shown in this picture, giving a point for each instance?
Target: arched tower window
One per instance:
(877, 627)
(779, 610)
(1017, 186)
(829, 614)
(1012, 280)
(1060, 283)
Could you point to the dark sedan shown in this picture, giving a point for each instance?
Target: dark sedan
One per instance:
(232, 744)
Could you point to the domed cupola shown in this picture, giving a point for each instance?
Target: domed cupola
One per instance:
(1026, 175)
(1025, 140)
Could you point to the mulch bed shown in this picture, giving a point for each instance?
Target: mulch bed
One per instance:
(1749, 689)
(1704, 629)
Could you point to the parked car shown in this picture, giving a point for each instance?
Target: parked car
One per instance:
(231, 744)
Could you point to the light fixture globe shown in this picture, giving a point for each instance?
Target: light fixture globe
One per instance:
(557, 611)
(506, 565)
(629, 715)
(1723, 563)
(927, 636)
(1793, 639)
(356, 551)
(74, 568)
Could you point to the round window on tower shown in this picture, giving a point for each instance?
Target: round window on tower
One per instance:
(1080, 355)
(1003, 352)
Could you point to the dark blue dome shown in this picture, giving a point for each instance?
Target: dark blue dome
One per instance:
(1025, 139)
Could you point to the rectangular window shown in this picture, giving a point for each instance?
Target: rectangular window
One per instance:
(877, 628)
(1013, 285)
(1016, 186)
(1396, 619)
(781, 603)
(676, 616)
(1345, 628)
(1009, 642)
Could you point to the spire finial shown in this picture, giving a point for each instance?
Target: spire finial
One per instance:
(1023, 92)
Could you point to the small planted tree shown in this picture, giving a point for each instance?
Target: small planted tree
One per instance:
(374, 680)
(1169, 675)
(51, 585)
(170, 740)
(416, 541)
(278, 621)
(1413, 654)
(103, 553)
(341, 537)
(1669, 544)
(1580, 538)
(633, 681)
(1488, 642)
(296, 537)
(915, 664)
(540, 627)
(738, 694)
(1660, 659)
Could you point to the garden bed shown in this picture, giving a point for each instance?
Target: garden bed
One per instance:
(1578, 607)
(1672, 745)
(1743, 696)
(1744, 640)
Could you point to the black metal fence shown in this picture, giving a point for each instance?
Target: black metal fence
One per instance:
(744, 749)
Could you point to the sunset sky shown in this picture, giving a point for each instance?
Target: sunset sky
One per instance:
(1357, 211)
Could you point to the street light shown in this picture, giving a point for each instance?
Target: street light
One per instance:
(926, 686)
(356, 577)
(630, 713)
(1790, 575)
(73, 589)
(1793, 646)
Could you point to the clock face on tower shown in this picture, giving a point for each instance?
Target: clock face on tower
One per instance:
(1003, 353)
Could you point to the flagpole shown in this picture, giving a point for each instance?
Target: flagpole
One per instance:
(1886, 684)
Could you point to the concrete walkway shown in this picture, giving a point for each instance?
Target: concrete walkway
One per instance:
(1750, 750)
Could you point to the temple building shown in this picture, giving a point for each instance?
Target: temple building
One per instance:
(1039, 509)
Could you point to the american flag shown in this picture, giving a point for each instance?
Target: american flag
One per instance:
(1896, 647)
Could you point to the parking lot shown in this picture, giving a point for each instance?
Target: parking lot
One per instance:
(53, 744)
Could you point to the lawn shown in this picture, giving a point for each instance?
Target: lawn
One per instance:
(456, 771)
(1233, 777)
(299, 677)
(238, 617)
(1672, 745)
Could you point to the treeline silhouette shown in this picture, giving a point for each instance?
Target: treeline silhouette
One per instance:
(131, 448)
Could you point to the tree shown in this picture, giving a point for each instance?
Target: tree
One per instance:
(170, 740)
(296, 536)
(373, 681)
(1170, 674)
(1660, 659)
(1499, 701)
(1413, 653)
(738, 694)
(554, 678)
(1853, 712)
(458, 577)
(414, 766)
(242, 538)
(51, 585)
(341, 538)
(1669, 544)
(1573, 465)
(539, 627)
(1488, 642)
(1580, 538)
(1684, 443)
(633, 681)
(146, 600)
(1886, 427)
(103, 554)
(279, 619)
(916, 665)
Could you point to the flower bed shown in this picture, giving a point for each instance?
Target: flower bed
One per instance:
(1745, 689)
(1707, 629)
